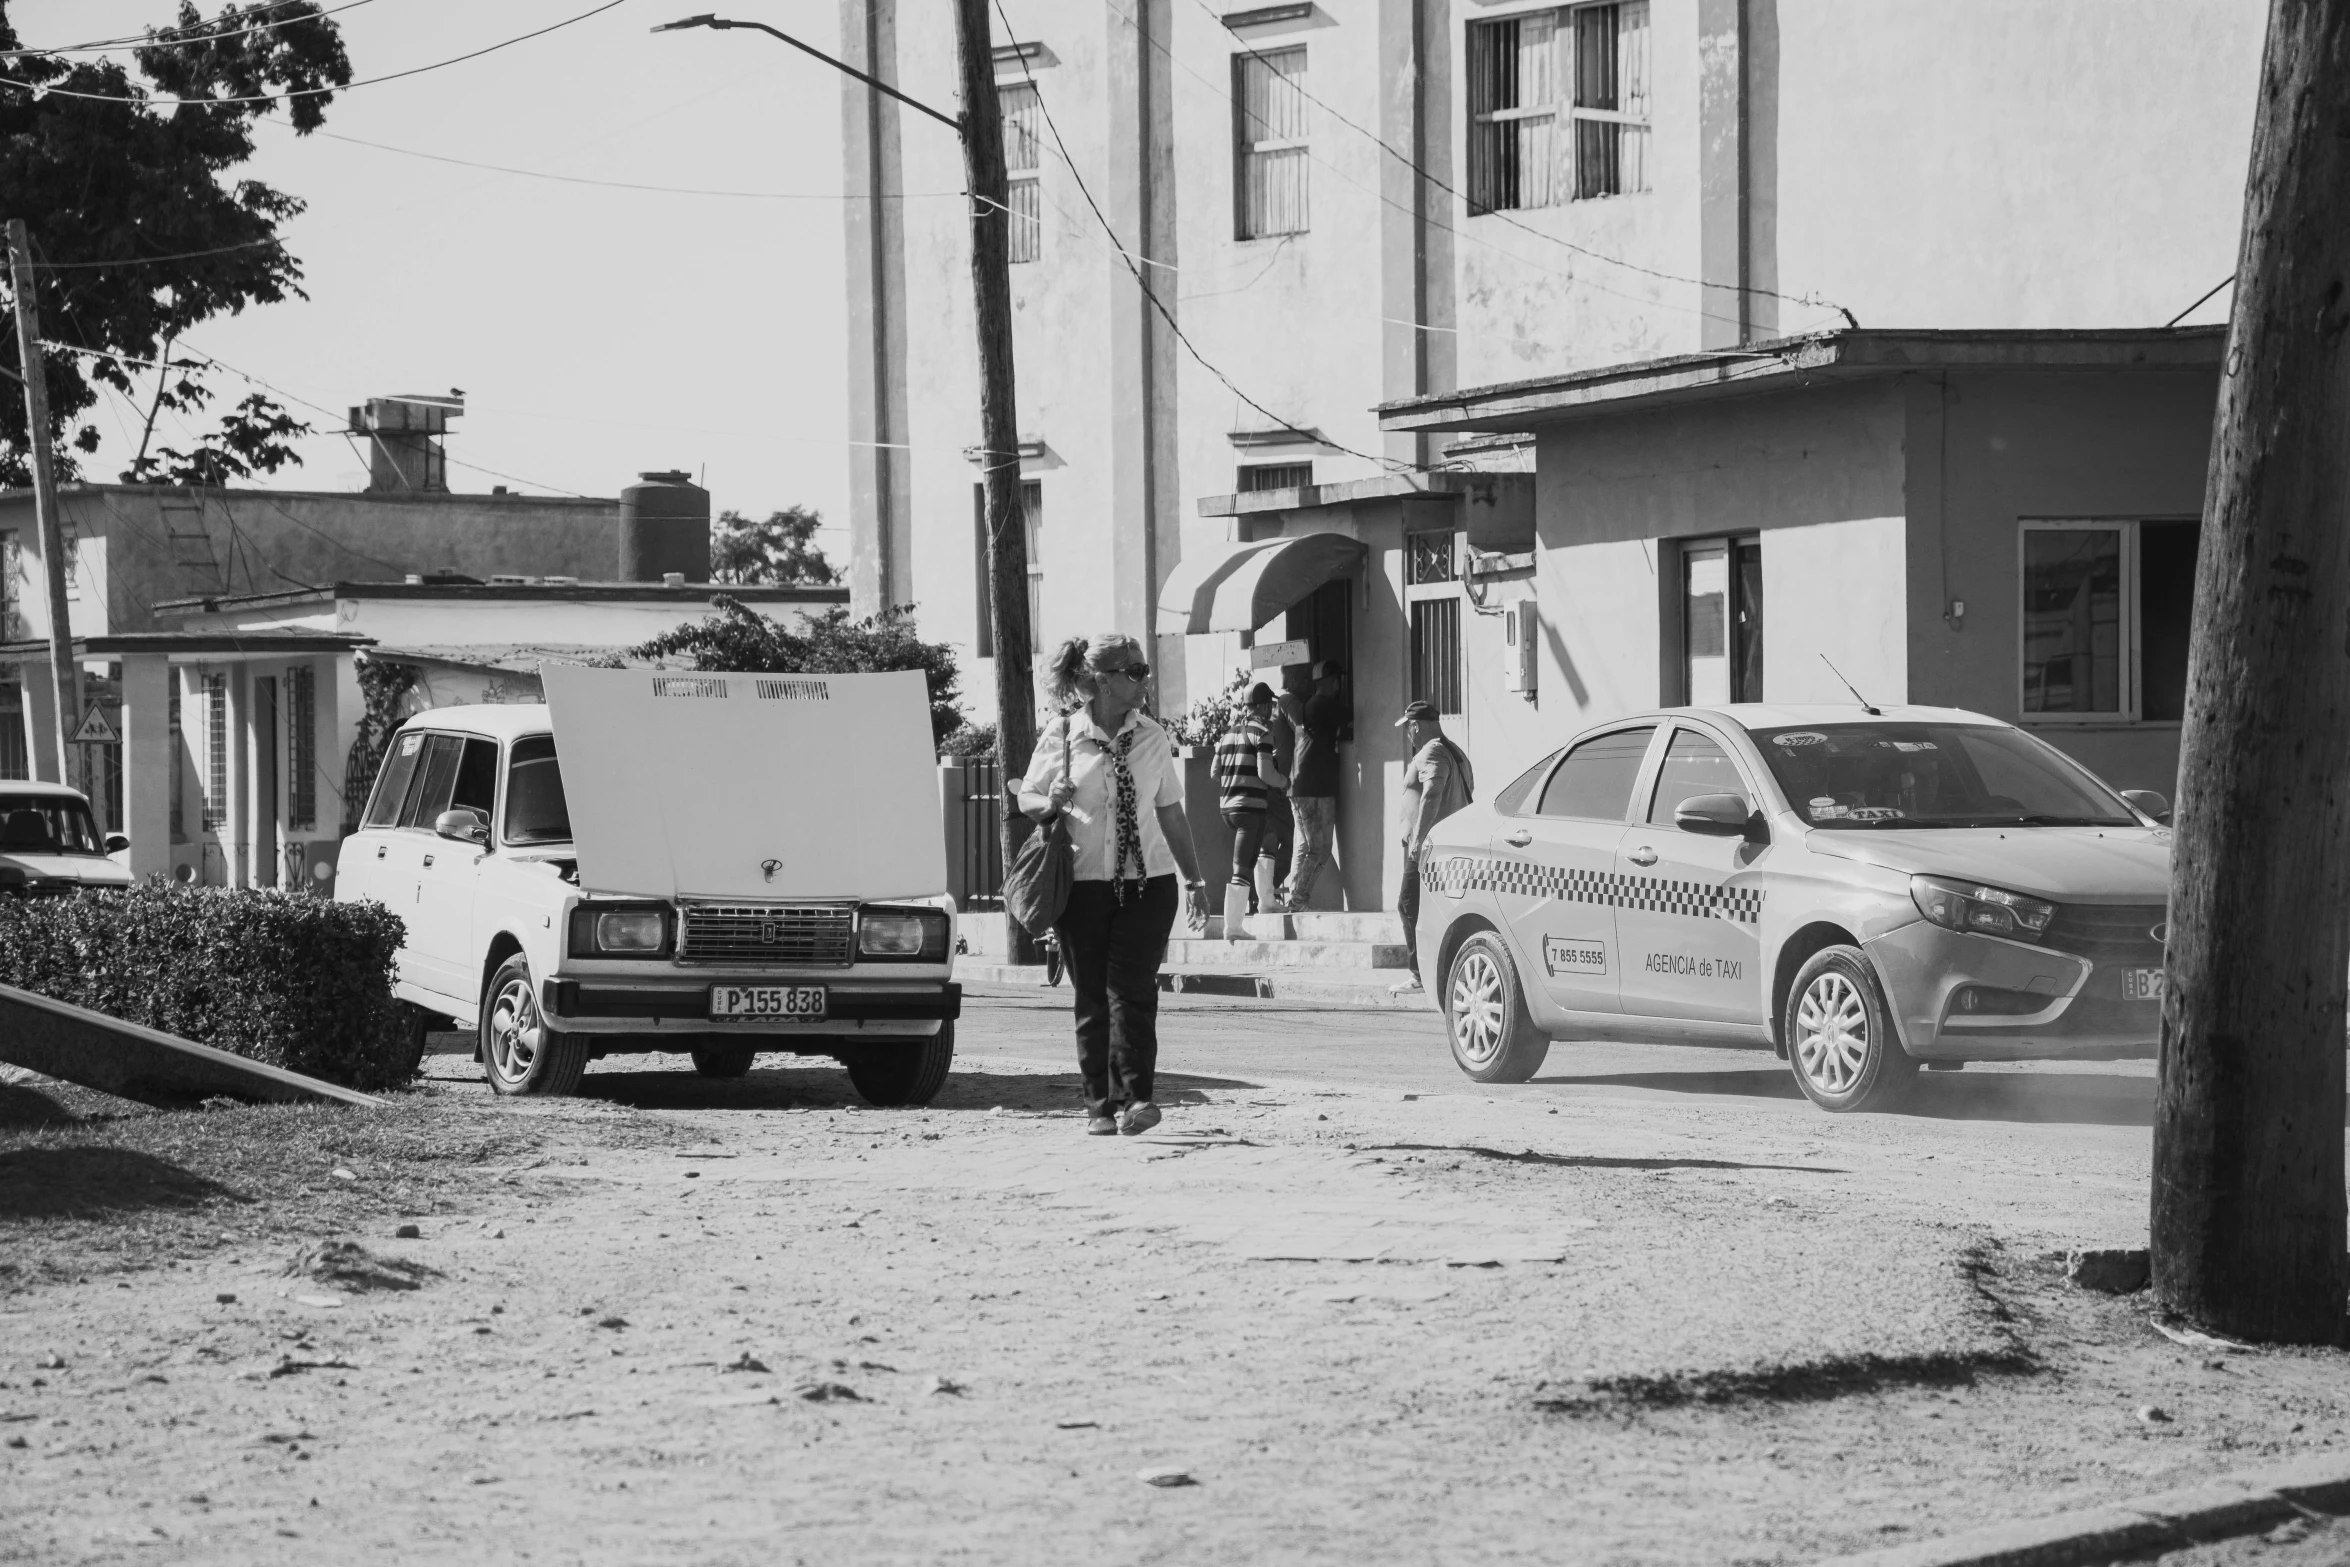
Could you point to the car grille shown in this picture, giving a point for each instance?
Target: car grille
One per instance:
(2108, 933)
(819, 935)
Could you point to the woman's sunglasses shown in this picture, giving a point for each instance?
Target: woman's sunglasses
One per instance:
(1130, 671)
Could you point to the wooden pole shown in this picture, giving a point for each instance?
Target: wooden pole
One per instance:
(2248, 1200)
(999, 420)
(62, 668)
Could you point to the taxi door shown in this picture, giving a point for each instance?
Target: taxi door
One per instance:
(1691, 938)
(1554, 870)
(441, 931)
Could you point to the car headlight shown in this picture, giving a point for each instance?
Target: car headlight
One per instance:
(902, 933)
(1987, 911)
(636, 931)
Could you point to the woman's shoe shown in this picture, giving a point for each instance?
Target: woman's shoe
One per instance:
(1141, 1116)
(1102, 1126)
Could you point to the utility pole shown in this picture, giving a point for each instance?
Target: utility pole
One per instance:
(2248, 1201)
(999, 421)
(62, 669)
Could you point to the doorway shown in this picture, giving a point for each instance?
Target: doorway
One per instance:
(265, 814)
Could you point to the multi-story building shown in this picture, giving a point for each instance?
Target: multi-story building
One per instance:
(1238, 230)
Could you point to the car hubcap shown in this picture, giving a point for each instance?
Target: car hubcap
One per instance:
(1832, 1033)
(514, 1030)
(1476, 1007)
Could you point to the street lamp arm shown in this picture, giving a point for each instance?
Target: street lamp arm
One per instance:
(721, 24)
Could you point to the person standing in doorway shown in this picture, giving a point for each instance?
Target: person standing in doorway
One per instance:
(1111, 769)
(1246, 779)
(1437, 781)
(1313, 786)
(1282, 734)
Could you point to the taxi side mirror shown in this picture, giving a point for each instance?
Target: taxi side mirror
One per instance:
(2151, 802)
(462, 823)
(1719, 816)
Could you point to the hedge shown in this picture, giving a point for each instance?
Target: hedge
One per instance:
(291, 980)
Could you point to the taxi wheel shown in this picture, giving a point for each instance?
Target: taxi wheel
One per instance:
(522, 1054)
(724, 1058)
(414, 1025)
(1839, 1033)
(911, 1073)
(1493, 1038)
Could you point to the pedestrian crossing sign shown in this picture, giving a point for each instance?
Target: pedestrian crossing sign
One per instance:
(95, 730)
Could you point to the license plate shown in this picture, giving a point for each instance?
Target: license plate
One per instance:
(746, 1003)
(2141, 984)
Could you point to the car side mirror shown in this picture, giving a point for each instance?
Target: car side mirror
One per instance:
(116, 843)
(2151, 802)
(462, 823)
(1715, 815)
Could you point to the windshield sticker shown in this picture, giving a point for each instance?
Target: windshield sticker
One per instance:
(409, 744)
(1911, 745)
(1800, 737)
(1821, 801)
(1876, 813)
(1821, 813)
(1573, 957)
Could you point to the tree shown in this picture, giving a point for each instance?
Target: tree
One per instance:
(740, 640)
(253, 438)
(778, 552)
(141, 227)
(2248, 1200)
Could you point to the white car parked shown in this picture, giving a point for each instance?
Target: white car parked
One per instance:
(1865, 891)
(718, 864)
(50, 844)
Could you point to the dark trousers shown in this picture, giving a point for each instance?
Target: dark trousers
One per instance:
(1278, 831)
(1407, 904)
(1114, 951)
(1248, 838)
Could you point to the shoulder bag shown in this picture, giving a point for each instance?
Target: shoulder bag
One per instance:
(1036, 887)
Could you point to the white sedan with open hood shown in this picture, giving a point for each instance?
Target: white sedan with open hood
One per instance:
(650, 861)
(1866, 891)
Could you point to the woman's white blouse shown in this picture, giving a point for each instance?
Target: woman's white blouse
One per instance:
(1093, 812)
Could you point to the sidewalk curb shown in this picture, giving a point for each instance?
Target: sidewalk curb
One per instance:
(2216, 1510)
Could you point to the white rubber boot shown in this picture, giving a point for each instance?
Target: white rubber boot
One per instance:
(1268, 889)
(1235, 911)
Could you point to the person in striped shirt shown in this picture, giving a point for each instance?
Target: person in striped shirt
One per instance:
(1246, 777)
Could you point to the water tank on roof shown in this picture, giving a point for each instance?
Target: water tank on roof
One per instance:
(664, 528)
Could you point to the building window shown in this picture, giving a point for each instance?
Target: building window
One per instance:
(1269, 142)
(16, 759)
(2107, 609)
(1022, 121)
(215, 752)
(301, 749)
(179, 767)
(1432, 586)
(1558, 106)
(1721, 621)
(1275, 476)
(1032, 507)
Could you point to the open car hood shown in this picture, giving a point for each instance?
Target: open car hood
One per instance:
(749, 786)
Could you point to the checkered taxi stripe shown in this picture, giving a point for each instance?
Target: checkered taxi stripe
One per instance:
(1647, 894)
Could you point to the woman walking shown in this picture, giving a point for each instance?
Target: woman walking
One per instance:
(1112, 770)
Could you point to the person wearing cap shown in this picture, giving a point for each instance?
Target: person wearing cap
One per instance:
(1313, 784)
(1437, 781)
(1247, 778)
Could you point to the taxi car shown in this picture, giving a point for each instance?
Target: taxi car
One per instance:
(715, 864)
(1865, 890)
(50, 844)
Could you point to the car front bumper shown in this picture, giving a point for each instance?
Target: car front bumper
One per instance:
(1925, 968)
(914, 1009)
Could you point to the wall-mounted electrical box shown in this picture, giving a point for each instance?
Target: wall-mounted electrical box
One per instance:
(1519, 625)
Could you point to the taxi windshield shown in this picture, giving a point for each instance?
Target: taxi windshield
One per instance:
(46, 824)
(1896, 775)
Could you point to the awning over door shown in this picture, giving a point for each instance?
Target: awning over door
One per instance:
(1245, 585)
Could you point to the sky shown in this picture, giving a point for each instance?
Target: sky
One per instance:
(595, 332)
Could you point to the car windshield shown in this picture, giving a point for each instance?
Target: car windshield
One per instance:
(535, 809)
(1864, 776)
(46, 824)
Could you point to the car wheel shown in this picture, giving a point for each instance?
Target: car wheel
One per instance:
(415, 1023)
(902, 1073)
(724, 1058)
(1493, 1038)
(1839, 1034)
(522, 1054)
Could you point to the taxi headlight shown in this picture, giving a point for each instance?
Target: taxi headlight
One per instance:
(902, 933)
(1988, 911)
(630, 931)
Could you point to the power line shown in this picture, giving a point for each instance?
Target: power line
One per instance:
(147, 261)
(2191, 309)
(667, 190)
(38, 91)
(1143, 283)
(149, 40)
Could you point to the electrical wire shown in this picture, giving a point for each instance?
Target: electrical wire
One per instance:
(148, 40)
(38, 90)
(2191, 309)
(666, 190)
(146, 261)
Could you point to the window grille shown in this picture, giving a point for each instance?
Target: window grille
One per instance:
(215, 752)
(301, 749)
(1430, 558)
(15, 756)
(1558, 106)
(1436, 653)
(179, 768)
(1275, 476)
(1022, 121)
(1269, 143)
(1032, 506)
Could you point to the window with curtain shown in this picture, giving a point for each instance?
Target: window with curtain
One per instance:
(1022, 162)
(1032, 508)
(1558, 106)
(1269, 142)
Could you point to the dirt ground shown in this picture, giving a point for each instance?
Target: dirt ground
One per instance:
(683, 1321)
